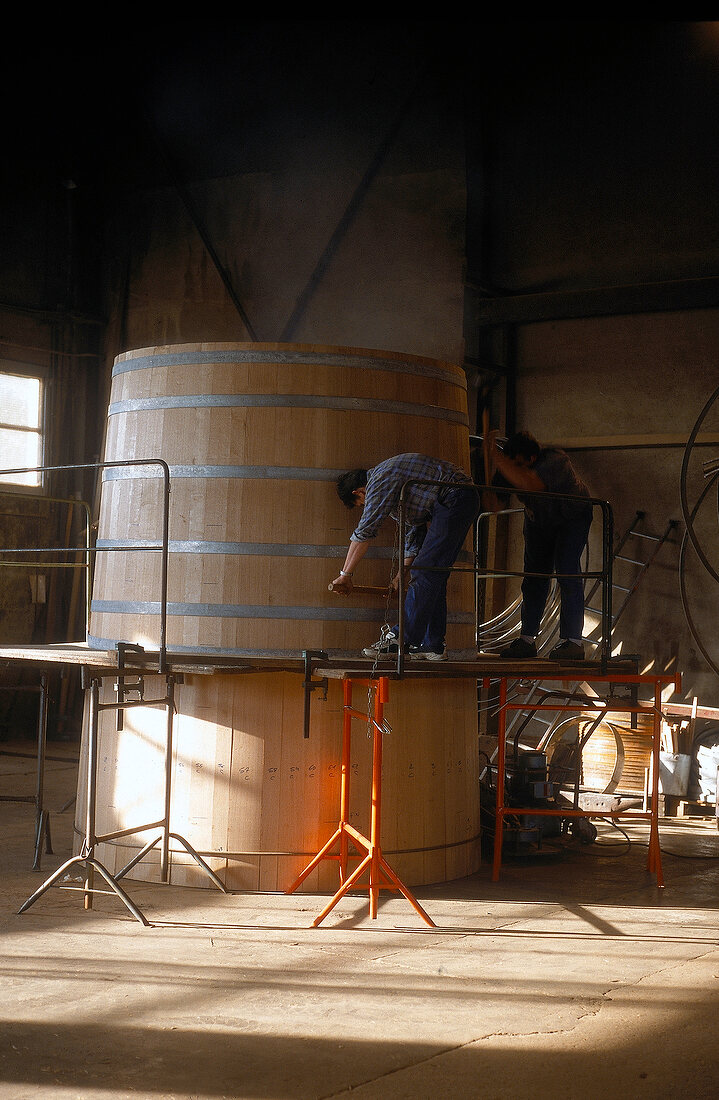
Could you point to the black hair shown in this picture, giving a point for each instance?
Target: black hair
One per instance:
(522, 443)
(347, 483)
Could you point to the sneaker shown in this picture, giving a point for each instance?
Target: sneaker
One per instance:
(519, 649)
(385, 647)
(418, 654)
(567, 651)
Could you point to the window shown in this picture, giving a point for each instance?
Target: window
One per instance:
(21, 424)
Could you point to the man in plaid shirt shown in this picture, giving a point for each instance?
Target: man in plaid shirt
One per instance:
(438, 517)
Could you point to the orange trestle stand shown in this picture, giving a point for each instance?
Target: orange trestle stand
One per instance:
(381, 875)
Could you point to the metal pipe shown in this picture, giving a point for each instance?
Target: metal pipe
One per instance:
(607, 557)
(90, 838)
(165, 849)
(41, 747)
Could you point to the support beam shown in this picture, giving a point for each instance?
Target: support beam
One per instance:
(678, 294)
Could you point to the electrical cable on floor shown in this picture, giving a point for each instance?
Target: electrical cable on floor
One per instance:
(590, 849)
(643, 844)
(616, 843)
(665, 851)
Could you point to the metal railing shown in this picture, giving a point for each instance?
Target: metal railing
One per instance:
(73, 502)
(603, 576)
(89, 550)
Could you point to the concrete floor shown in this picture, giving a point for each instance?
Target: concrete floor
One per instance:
(573, 977)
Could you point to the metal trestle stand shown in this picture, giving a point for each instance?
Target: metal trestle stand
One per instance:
(87, 858)
(381, 875)
(42, 815)
(602, 707)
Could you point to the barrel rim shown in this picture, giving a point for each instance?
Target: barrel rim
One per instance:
(278, 345)
(296, 354)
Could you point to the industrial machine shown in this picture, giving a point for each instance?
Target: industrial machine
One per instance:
(527, 786)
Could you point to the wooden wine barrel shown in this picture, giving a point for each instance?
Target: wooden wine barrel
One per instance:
(615, 758)
(255, 436)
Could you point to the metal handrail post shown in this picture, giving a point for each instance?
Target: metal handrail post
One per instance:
(607, 560)
(165, 848)
(88, 846)
(40, 812)
(88, 569)
(401, 585)
(164, 564)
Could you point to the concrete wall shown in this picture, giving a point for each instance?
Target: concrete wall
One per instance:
(323, 164)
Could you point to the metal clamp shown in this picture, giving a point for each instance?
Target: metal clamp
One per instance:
(122, 687)
(311, 685)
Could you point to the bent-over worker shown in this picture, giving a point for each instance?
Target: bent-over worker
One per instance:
(437, 520)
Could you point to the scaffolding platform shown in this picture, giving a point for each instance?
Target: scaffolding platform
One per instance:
(128, 660)
(485, 666)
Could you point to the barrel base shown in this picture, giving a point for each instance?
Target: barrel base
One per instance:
(257, 800)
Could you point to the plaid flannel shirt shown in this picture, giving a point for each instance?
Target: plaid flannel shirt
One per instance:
(384, 485)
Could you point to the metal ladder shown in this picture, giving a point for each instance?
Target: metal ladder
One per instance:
(642, 565)
(527, 719)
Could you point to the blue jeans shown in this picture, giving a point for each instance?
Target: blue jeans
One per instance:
(425, 605)
(554, 549)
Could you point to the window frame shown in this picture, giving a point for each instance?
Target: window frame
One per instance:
(10, 367)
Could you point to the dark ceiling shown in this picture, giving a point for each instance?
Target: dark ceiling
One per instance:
(557, 115)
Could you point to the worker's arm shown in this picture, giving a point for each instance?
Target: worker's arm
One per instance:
(521, 477)
(355, 553)
(414, 536)
(394, 585)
